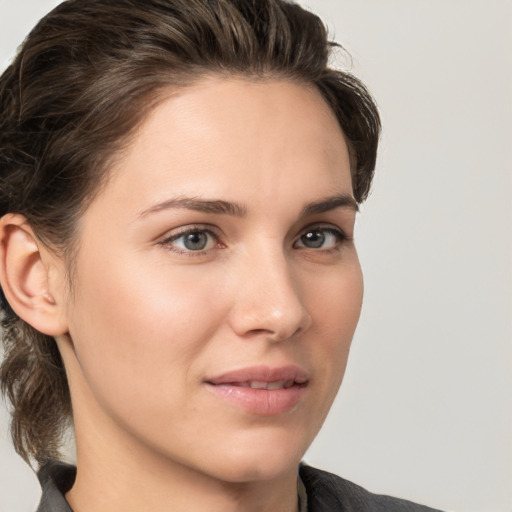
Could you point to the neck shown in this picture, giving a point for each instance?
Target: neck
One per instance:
(103, 486)
(114, 473)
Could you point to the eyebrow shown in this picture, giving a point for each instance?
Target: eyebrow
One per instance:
(218, 206)
(199, 205)
(330, 203)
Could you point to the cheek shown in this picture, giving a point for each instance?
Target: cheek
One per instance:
(135, 333)
(337, 306)
(337, 299)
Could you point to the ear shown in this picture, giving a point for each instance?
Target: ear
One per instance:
(30, 277)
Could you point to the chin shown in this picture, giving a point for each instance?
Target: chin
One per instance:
(260, 460)
(245, 471)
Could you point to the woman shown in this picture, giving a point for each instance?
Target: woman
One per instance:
(180, 181)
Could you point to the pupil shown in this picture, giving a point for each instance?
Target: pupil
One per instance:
(196, 241)
(313, 239)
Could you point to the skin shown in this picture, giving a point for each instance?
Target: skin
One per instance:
(149, 320)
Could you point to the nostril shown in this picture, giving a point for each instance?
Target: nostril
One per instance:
(284, 334)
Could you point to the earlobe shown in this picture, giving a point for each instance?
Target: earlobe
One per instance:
(25, 277)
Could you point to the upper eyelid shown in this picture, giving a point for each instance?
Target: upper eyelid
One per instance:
(320, 226)
(178, 232)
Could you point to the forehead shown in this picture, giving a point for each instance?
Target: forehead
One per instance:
(226, 136)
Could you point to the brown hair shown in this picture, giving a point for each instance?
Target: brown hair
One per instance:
(83, 80)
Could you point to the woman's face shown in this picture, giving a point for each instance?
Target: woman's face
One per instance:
(217, 286)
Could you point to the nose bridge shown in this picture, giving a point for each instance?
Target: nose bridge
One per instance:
(269, 299)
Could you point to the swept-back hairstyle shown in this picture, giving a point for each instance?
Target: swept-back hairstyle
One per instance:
(84, 79)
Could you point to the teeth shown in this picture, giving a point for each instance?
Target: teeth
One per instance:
(276, 385)
(255, 384)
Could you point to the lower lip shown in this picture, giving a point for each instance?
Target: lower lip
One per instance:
(264, 402)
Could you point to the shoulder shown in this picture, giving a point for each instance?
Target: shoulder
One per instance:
(330, 493)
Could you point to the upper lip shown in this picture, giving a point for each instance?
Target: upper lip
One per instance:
(261, 374)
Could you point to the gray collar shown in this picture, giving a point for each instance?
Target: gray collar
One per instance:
(56, 480)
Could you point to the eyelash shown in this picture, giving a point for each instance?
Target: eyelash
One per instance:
(340, 237)
(169, 242)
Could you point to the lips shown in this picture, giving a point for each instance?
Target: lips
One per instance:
(261, 390)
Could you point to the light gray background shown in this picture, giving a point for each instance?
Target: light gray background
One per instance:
(425, 411)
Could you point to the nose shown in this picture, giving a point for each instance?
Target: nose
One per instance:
(269, 300)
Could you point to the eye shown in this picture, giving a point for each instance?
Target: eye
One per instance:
(320, 237)
(192, 240)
